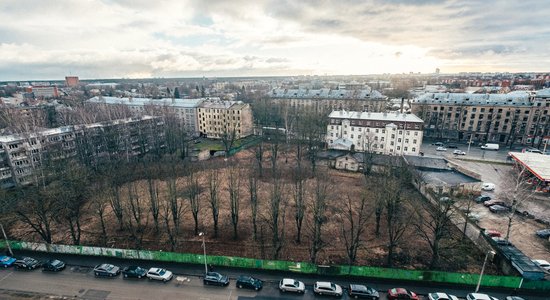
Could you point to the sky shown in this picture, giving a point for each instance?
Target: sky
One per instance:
(49, 39)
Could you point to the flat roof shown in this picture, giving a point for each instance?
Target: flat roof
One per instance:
(375, 116)
(538, 164)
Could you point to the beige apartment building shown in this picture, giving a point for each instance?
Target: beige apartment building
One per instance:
(218, 118)
(514, 118)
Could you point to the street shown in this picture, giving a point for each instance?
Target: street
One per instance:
(77, 281)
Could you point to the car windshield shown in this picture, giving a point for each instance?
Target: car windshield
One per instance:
(162, 272)
(56, 262)
(332, 286)
(5, 258)
(109, 267)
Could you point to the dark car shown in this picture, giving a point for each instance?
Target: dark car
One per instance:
(495, 202)
(438, 144)
(482, 198)
(364, 292)
(27, 263)
(53, 265)
(106, 270)
(134, 272)
(452, 146)
(214, 278)
(543, 233)
(498, 208)
(248, 282)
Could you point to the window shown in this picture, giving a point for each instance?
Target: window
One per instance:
(407, 141)
(414, 141)
(399, 140)
(413, 149)
(352, 136)
(405, 149)
(398, 148)
(416, 132)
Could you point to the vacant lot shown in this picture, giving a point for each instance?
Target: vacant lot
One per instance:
(139, 229)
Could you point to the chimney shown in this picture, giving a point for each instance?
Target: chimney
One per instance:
(402, 103)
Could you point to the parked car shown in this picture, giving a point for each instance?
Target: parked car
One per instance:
(452, 146)
(135, 272)
(502, 242)
(159, 274)
(446, 200)
(53, 265)
(441, 296)
(478, 296)
(28, 263)
(440, 149)
(532, 150)
(292, 285)
(493, 233)
(401, 293)
(106, 270)
(498, 208)
(327, 288)
(364, 292)
(543, 264)
(514, 298)
(6, 261)
(459, 152)
(214, 278)
(494, 202)
(482, 198)
(490, 147)
(249, 282)
(487, 186)
(543, 233)
(438, 144)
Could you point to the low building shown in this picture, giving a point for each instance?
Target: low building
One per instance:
(184, 109)
(382, 133)
(220, 118)
(72, 81)
(22, 154)
(44, 91)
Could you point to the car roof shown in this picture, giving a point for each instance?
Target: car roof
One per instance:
(289, 281)
(479, 296)
(358, 287)
(324, 284)
(541, 261)
(156, 270)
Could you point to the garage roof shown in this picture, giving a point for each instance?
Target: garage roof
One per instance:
(536, 163)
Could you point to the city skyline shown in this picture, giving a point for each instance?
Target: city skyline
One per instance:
(140, 39)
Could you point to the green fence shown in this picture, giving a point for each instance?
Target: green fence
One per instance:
(302, 267)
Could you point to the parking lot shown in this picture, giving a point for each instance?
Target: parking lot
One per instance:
(489, 164)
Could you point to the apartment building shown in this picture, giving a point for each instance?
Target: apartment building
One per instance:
(185, 109)
(217, 118)
(383, 133)
(22, 154)
(365, 99)
(518, 117)
(43, 91)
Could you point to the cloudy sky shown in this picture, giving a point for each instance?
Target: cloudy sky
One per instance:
(48, 39)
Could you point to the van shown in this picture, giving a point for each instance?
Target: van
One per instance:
(490, 147)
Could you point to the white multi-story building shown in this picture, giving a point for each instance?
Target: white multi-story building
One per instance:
(185, 109)
(218, 118)
(383, 133)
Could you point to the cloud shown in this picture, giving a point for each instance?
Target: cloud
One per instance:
(122, 38)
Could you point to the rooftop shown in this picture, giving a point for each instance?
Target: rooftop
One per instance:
(392, 116)
(517, 98)
(537, 164)
(365, 93)
(181, 103)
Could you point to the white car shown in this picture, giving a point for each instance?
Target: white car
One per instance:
(487, 186)
(441, 296)
(159, 274)
(327, 288)
(291, 285)
(543, 264)
(478, 296)
(440, 149)
(459, 152)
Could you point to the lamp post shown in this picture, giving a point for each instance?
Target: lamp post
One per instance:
(483, 268)
(6, 239)
(204, 251)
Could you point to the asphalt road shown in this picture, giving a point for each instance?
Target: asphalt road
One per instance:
(78, 282)
(475, 151)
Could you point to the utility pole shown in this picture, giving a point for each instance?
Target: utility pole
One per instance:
(6, 239)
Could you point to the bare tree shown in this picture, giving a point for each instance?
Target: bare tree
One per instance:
(134, 223)
(259, 155)
(36, 210)
(274, 147)
(228, 136)
(275, 219)
(98, 205)
(176, 207)
(193, 192)
(253, 192)
(355, 217)
(154, 205)
(299, 193)
(234, 198)
(516, 190)
(319, 218)
(116, 204)
(213, 191)
(433, 224)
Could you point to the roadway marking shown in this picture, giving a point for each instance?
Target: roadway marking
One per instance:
(9, 274)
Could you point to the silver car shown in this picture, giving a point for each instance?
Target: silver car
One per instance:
(291, 285)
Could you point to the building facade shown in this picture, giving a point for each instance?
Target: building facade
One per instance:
(44, 91)
(184, 109)
(217, 118)
(72, 81)
(382, 133)
(514, 118)
(322, 100)
(22, 154)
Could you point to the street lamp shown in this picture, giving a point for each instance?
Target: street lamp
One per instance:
(492, 253)
(6, 239)
(204, 251)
